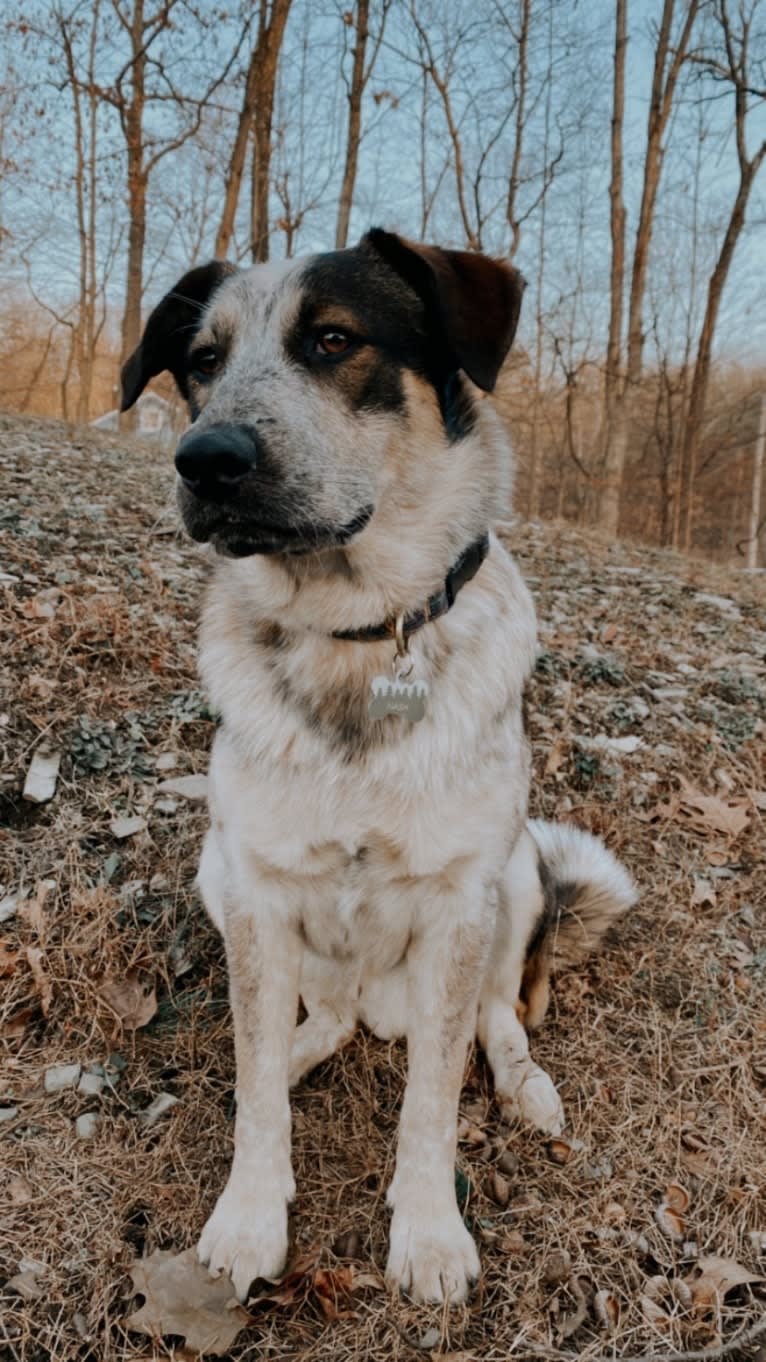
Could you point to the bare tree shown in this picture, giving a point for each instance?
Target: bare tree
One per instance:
(83, 92)
(440, 73)
(357, 19)
(146, 78)
(735, 67)
(610, 493)
(622, 379)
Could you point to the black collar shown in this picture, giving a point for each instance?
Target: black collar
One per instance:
(462, 571)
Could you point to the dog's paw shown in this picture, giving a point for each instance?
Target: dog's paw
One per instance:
(245, 1237)
(536, 1101)
(432, 1259)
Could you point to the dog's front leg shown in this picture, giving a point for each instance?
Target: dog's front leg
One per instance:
(246, 1236)
(432, 1256)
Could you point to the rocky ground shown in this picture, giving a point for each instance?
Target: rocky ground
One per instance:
(640, 1234)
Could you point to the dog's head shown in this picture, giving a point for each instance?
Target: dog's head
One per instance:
(302, 379)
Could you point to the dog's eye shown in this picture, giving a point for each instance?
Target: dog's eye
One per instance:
(332, 342)
(205, 362)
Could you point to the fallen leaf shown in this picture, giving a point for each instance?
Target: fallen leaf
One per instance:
(561, 1149)
(700, 1162)
(470, 1134)
(557, 756)
(293, 1286)
(670, 1222)
(606, 1308)
(17, 1024)
(717, 1277)
(499, 1189)
(32, 910)
(703, 892)
(180, 1297)
(677, 1197)
(43, 984)
(8, 906)
(370, 1281)
(654, 1313)
(20, 1190)
(133, 999)
(8, 960)
(709, 813)
(579, 1288)
(331, 1286)
(557, 1267)
(25, 1282)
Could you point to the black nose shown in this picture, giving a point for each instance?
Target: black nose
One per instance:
(211, 462)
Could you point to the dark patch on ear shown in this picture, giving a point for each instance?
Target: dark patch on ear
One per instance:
(170, 327)
(472, 302)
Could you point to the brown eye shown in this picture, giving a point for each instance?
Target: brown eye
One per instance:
(332, 342)
(205, 362)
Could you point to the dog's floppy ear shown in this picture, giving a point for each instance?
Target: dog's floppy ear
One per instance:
(169, 329)
(472, 302)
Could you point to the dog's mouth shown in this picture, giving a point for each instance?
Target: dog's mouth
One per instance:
(244, 538)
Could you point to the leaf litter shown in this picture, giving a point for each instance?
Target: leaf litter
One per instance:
(656, 1045)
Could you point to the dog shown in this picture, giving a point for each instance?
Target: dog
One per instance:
(366, 641)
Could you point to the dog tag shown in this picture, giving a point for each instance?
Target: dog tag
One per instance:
(394, 695)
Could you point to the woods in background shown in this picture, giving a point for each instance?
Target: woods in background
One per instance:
(614, 151)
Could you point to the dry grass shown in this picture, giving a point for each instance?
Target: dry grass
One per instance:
(658, 1045)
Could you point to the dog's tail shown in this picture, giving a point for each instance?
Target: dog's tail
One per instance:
(585, 889)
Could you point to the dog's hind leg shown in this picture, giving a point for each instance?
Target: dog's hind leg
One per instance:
(328, 998)
(560, 892)
(522, 1088)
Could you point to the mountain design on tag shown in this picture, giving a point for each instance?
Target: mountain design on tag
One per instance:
(389, 696)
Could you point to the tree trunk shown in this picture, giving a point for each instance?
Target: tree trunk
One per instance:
(511, 206)
(356, 90)
(697, 399)
(237, 162)
(259, 216)
(134, 138)
(259, 91)
(609, 501)
(660, 106)
(270, 34)
(534, 493)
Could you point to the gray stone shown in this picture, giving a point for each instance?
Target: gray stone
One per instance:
(40, 784)
(92, 1085)
(62, 1076)
(86, 1124)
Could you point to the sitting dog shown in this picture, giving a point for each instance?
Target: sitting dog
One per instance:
(366, 641)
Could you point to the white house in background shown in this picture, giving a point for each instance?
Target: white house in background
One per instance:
(156, 419)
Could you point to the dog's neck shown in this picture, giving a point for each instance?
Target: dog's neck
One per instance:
(400, 561)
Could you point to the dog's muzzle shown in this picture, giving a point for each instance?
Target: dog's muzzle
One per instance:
(211, 463)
